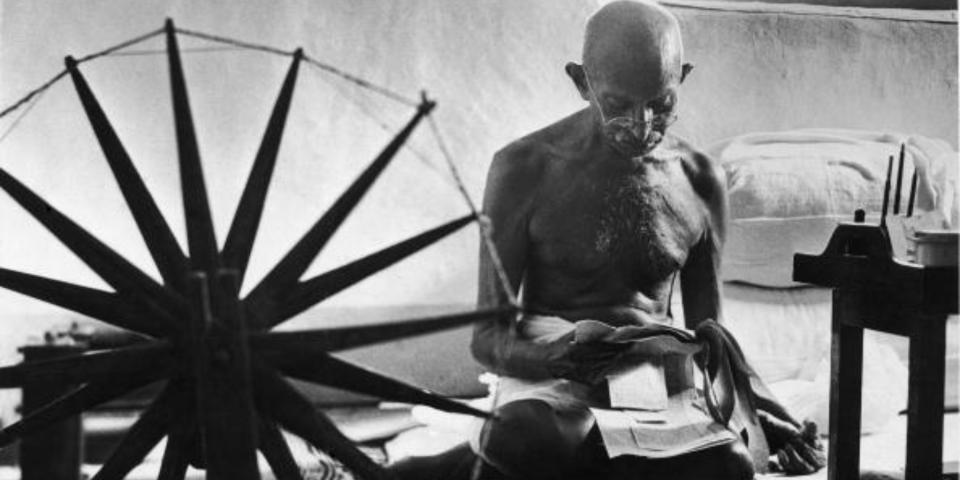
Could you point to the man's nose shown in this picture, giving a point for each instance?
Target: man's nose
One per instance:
(643, 118)
(643, 115)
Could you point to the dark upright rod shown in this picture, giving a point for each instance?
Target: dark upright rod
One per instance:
(913, 193)
(886, 194)
(896, 197)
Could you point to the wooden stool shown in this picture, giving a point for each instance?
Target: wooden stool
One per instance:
(872, 289)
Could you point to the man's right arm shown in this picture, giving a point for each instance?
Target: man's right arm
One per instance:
(508, 202)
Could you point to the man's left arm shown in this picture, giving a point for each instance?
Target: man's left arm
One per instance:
(700, 275)
(797, 448)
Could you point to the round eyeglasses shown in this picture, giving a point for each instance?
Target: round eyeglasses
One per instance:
(633, 124)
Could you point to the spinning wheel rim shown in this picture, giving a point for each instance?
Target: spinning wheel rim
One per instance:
(221, 362)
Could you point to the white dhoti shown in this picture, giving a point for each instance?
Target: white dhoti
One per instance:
(653, 409)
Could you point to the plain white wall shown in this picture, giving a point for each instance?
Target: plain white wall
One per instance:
(496, 69)
(773, 71)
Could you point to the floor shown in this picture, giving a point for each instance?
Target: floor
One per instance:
(883, 453)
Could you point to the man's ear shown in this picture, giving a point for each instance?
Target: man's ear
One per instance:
(579, 77)
(685, 70)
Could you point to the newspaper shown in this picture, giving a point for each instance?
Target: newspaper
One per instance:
(643, 419)
(683, 427)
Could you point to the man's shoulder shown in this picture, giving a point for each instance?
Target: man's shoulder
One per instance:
(707, 177)
(537, 150)
(529, 155)
(526, 152)
(705, 173)
(517, 164)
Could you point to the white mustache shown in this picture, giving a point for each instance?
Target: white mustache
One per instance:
(631, 144)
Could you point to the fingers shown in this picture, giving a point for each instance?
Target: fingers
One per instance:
(589, 377)
(590, 373)
(809, 432)
(593, 357)
(594, 354)
(773, 464)
(594, 362)
(807, 453)
(793, 463)
(811, 446)
(777, 431)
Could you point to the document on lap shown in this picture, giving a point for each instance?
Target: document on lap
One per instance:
(644, 418)
(683, 427)
(642, 387)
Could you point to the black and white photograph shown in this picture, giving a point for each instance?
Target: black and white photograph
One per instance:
(479, 240)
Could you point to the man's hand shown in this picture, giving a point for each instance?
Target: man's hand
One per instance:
(801, 452)
(585, 362)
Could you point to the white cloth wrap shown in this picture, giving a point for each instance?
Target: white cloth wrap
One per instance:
(684, 426)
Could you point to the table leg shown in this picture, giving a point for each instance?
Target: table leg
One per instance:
(925, 400)
(846, 374)
(55, 453)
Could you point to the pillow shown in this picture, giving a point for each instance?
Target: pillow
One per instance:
(787, 191)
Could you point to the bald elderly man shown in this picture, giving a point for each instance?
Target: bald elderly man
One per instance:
(595, 216)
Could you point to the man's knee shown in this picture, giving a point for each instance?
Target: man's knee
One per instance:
(731, 461)
(530, 439)
(734, 461)
(454, 464)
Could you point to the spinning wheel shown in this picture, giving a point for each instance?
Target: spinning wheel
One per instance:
(225, 395)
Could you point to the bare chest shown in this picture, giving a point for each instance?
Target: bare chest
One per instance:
(637, 225)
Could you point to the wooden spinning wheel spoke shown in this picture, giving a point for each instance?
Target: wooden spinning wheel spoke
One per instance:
(225, 397)
(276, 451)
(275, 346)
(330, 371)
(119, 273)
(201, 239)
(152, 425)
(176, 456)
(295, 414)
(310, 292)
(298, 259)
(83, 368)
(73, 403)
(246, 220)
(104, 306)
(154, 229)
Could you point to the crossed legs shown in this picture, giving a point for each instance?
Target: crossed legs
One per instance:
(532, 440)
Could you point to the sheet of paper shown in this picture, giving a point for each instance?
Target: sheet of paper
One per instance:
(616, 429)
(640, 388)
(683, 427)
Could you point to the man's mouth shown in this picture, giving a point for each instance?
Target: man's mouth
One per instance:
(633, 147)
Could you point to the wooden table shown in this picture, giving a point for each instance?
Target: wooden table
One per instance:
(874, 290)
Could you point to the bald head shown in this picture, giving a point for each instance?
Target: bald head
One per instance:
(633, 41)
(632, 70)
